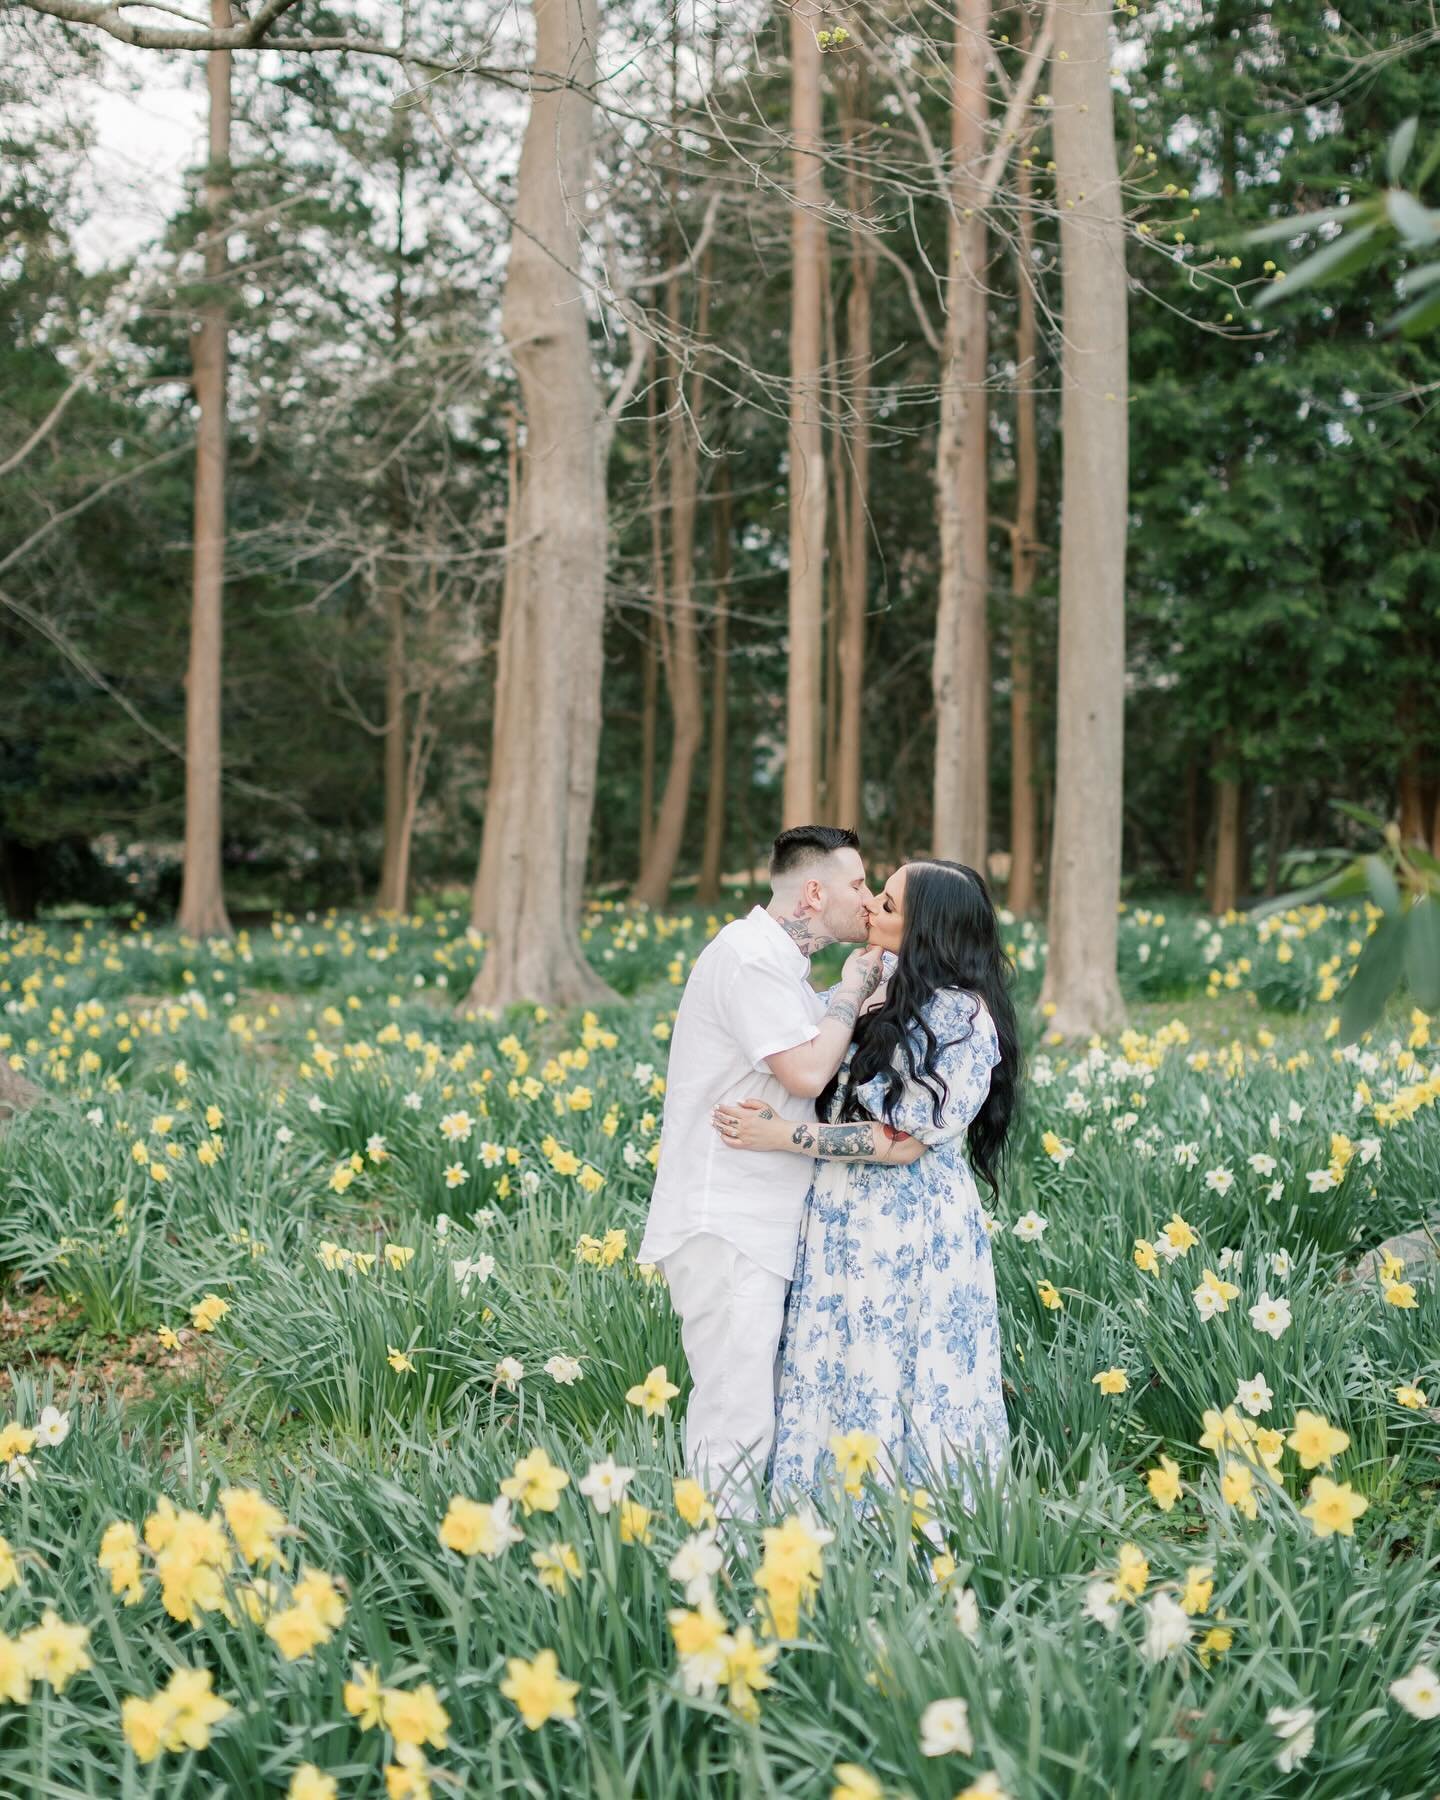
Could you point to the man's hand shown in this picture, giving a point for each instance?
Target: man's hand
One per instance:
(863, 970)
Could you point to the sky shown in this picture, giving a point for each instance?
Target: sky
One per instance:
(149, 121)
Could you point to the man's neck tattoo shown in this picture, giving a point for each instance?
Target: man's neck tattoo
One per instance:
(804, 932)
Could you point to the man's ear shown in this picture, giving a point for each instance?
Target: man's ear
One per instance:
(814, 896)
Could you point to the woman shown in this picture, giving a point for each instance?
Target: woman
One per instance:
(891, 1326)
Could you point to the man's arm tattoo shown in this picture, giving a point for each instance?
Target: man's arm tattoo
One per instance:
(846, 1140)
(842, 1008)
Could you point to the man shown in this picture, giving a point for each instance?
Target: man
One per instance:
(725, 1228)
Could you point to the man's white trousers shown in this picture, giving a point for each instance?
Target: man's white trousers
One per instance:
(731, 1311)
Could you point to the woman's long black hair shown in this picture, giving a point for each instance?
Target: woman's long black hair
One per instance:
(951, 939)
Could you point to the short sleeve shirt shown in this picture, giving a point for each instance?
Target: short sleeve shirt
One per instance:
(747, 998)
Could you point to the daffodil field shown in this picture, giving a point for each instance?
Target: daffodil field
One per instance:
(341, 1433)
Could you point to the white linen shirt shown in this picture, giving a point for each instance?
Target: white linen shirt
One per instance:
(748, 997)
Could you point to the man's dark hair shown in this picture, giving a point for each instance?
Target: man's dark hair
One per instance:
(804, 844)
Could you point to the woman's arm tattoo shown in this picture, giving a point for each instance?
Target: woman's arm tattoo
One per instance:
(853, 1143)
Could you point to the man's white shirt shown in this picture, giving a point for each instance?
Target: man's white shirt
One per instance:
(747, 998)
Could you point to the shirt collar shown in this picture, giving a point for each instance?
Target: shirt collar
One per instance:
(785, 945)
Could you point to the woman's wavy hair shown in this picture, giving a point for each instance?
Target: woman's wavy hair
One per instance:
(951, 939)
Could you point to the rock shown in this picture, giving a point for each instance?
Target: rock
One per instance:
(17, 1094)
(1421, 1245)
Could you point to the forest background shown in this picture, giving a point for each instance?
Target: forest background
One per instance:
(823, 273)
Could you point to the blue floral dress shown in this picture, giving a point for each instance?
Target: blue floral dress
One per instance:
(891, 1325)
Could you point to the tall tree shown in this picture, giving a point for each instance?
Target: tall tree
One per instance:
(807, 458)
(717, 787)
(546, 739)
(1080, 979)
(1022, 896)
(853, 538)
(202, 896)
(960, 671)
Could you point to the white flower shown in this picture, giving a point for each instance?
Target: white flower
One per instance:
(468, 1269)
(375, 1145)
(1262, 1163)
(1295, 1728)
(945, 1727)
(1167, 1628)
(1029, 1227)
(1418, 1692)
(990, 1222)
(1075, 1102)
(509, 1372)
(1270, 1316)
(315, 1103)
(1369, 1149)
(967, 1613)
(643, 1073)
(564, 1369)
(19, 1470)
(492, 1155)
(413, 1101)
(1100, 1603)
(1254, 1396)
(631, 1156)
(95, 1116)
(529, 1182)
(1275, 1190)
(483, 1218)
(442, 1225)
(1232, 1259)
(1187, 1155)
(284, 1135)
(1295, 1112)
(1274, 1126)
(604, 1485)
(695, 1565)
(1219, 1181)
(1209, 1301)
(53, 1429)
(1168, 1248)
(1321, 1180)
(1281, 1264)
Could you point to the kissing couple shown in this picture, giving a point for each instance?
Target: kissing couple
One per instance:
(815, 1212)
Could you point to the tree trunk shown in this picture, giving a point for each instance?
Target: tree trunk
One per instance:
(1412, 789)
(1080, 979)
(547, 738)
(1023, 896)
(961, 667)
(807, 461)
(847, 768)
(686, 702)
(394, 890)
(484, 898)
(1225, 876)
(202, 896)
(712, 862)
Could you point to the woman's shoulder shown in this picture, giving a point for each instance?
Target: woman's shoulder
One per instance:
(963, 1014)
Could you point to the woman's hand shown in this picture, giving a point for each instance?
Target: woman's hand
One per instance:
(752, 1125)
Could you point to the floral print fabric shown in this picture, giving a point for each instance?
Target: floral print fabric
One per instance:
(891, 1325)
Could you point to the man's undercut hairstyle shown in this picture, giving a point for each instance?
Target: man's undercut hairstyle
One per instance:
(802, 845)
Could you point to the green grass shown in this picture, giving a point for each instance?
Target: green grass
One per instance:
(314, 1040)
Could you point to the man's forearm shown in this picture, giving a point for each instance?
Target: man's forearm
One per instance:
(862, 1142)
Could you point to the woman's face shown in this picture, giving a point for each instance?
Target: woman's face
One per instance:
(886, 914)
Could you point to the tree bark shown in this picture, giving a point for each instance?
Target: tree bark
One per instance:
(961, 669)
(686, 701)
(847, 768)
(1023, 896)
(202, 894)
(484, 897)
(807, 462)
(547, 736)
(394, 889)
(712, 861)
(1080, 979)
(1190, 860)
(1225, 872)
